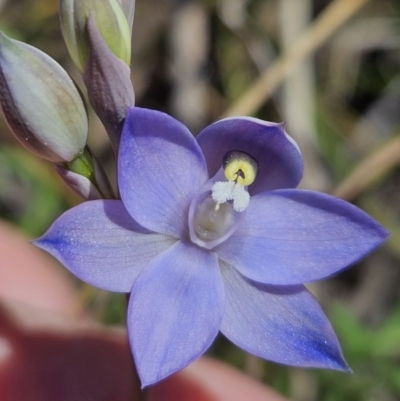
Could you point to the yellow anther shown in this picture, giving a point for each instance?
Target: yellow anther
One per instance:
(240, 167)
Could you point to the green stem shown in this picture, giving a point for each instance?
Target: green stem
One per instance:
(84, 165)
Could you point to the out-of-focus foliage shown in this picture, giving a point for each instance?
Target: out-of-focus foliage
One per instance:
(30, 195)
(373, 354)
(196, 58)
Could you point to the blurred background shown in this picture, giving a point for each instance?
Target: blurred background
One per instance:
(331, 70)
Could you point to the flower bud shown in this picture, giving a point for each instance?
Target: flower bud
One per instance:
(109, 18)
(108, 83)
(128, 7)
(40, 102)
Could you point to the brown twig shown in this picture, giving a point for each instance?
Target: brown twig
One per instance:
(370, 170)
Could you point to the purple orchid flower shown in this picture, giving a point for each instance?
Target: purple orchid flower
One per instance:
(210, 236)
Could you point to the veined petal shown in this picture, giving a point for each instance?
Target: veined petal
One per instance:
(175, 310)
(294, 236)
(161, 168)
(283, 324)
(101, 244)
(278, 156)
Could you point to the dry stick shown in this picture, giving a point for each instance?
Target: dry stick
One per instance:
(370, 170)
(335, 15)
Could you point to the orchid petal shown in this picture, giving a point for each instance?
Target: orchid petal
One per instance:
(161, 168)
(278, 156)
(283, 324)
(294, 236)
(175, 311)
(102, 245)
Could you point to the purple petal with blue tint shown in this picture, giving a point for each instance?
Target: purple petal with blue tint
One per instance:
(278, 156)
(101, 244)
(283, 324)
(161, 167)
(175, 311)
(294, 236)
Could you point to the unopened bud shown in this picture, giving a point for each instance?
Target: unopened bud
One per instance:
(109, 86)
(40, 102)
(128, 7)
(110, 20)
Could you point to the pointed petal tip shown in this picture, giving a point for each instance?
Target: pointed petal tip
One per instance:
(146, 382)
(381, 234)
(338, 364)
(385, 233)
(35, 242)
(39, 242)
(328, 355)
(329, 359)
(348, 370)
(46, 243)
(150, 378)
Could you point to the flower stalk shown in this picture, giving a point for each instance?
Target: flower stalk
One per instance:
(86, 177)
